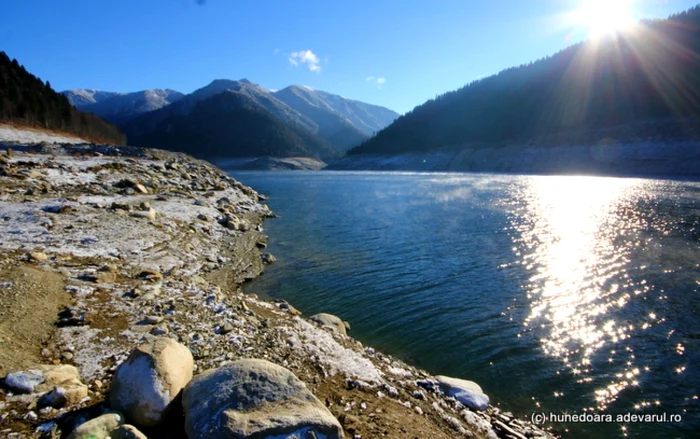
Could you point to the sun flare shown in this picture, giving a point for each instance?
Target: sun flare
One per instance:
(603, 17)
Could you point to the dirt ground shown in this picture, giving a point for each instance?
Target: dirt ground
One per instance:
(30, 300)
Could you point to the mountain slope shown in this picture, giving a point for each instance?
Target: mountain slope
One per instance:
(649, 74)
(141, 126)
(366, 118)
(119, 108)
(232, 124)
(306, 111)
(82, 97)
(26, 100)
(332, 126)
(255, 92)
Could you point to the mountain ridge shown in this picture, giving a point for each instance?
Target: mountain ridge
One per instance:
(641, 75)
(233, 124)
(309, 115)
(119, 107)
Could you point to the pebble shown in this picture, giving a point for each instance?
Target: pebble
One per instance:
(38, 256)
(152, 320)
(159, 330)
(54, 398)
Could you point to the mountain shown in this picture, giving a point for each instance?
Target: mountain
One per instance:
(27, 100)
(85, 96)
(639, 84)
(146, 123)
(304, 112)
(119, 108)
(366, 118)
(332, 126)
(231, 123)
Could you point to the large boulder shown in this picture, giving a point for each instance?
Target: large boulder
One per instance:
(467, 392)
(146, 385)
(253, 398)
(331, 322)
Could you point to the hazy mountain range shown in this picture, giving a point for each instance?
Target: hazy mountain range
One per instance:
(119, 108)
(244, 120)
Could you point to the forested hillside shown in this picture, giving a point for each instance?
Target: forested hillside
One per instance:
(26, 100)
(635, 84)
(232, 124)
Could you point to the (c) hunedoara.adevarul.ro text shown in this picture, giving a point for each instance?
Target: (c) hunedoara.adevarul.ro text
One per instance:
(539, 418)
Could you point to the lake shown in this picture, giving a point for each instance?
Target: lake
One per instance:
(561, 294)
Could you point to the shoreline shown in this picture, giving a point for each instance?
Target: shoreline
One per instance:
(678, 158)
(158, 244)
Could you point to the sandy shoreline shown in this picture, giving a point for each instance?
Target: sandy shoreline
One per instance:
(157, 244)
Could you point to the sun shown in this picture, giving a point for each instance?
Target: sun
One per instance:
(604, 17)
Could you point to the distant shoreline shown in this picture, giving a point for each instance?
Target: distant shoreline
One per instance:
(678, 159)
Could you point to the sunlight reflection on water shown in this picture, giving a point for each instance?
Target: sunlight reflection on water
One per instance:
(570, 227)
(554, 293)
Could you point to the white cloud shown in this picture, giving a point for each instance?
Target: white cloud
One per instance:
(305, 57)
(378, 81)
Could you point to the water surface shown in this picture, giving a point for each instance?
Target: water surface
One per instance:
(554, 293)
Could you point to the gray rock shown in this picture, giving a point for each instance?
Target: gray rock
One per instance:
(24, 381)
(226, 328)
(480, 427)
(331, 322)
(98, 428)
(467, 392)
(54, 398)
(146, 385)
(152, 320)
(254, 398)
(159, 330)
(127, 431)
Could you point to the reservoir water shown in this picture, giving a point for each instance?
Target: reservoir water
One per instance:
(557, 294)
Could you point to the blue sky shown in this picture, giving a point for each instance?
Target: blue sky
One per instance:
(387, 52)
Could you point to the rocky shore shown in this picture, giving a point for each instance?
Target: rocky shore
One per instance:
(122, 315)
